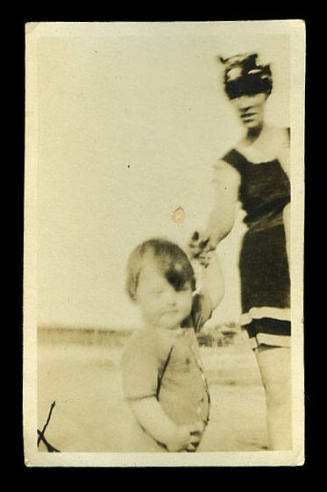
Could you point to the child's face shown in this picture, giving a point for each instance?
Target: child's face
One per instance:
(161, 305)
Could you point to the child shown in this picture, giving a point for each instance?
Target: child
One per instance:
(162, 376)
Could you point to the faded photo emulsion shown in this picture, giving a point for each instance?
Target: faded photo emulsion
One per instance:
(163, 260)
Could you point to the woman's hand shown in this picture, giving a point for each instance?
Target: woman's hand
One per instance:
(187, 438)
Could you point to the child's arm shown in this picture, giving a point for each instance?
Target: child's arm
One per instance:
(156, 422)
(212, 279)
(140, 365)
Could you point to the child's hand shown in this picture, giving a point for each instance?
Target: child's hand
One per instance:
(200, 244)
(200, 249)
(204, 258)
(197, 244)
(187, 438)
(196, 434)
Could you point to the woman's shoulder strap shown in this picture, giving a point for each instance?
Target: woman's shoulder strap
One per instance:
(235, 159)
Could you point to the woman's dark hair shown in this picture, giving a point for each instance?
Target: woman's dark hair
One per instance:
(170, 259)
(243, 76)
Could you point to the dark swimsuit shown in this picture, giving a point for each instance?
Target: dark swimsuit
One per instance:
(265, 282)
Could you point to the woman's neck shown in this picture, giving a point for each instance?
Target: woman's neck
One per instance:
(254, 133)
(265, 147)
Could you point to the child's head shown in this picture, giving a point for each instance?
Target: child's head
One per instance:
(160, 279)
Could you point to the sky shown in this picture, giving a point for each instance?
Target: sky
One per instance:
(130, 124)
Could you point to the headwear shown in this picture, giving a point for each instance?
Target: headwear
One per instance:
(243, 76)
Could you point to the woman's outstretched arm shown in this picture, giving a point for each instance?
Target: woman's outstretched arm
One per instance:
(221, 219)
(226, 184)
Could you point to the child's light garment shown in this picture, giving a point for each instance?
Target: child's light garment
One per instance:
(166, 364)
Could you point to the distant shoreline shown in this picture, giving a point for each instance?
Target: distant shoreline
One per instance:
(215, 336)
(82, 335)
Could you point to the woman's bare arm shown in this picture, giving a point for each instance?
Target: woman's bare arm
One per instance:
(222, 217)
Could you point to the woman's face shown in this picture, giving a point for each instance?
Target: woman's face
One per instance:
(250, 109)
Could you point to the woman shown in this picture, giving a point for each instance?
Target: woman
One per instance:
(256, 172)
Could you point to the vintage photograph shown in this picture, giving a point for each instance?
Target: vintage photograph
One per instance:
(163, 258)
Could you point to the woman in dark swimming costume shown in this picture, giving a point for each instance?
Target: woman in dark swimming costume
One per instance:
(256, 172)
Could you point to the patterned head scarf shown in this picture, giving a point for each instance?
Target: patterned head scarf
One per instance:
(244, 76)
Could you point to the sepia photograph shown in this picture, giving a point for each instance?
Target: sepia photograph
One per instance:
(163, 232)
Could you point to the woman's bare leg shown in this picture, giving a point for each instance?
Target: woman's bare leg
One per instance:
(275, 367)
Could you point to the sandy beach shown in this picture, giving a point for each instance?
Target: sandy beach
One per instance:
(83, 377)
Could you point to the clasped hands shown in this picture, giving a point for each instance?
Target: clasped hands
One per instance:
(201, 248)
(186, 438)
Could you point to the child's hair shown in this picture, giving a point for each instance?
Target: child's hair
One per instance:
(170, 259)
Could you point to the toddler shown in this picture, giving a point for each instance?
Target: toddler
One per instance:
(163, 381)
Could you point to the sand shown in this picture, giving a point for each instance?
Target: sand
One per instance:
(90, 413)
